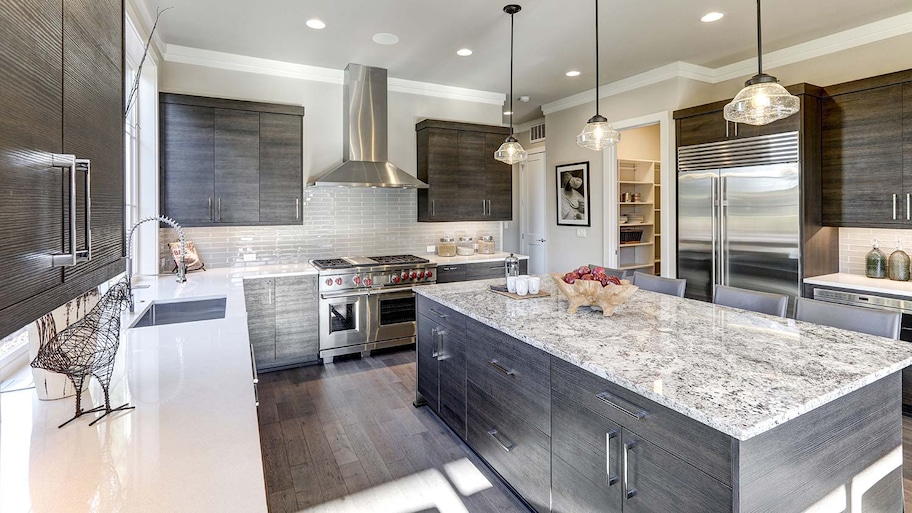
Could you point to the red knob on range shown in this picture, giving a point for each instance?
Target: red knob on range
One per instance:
(405, 276)
(413, 275)
(420, 274)
(396, 279)
(329, 281)
(368, 282)
(338, 281)
(356, 279)
(429, 274)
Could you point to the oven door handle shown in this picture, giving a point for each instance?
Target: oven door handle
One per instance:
(380, 292)
(345, 295)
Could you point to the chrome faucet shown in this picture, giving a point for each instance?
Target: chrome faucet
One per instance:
(181, 266)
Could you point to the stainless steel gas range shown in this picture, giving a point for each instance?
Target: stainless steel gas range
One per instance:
(367, 302)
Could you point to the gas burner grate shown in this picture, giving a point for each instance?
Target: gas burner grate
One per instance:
(398, 259)
(333, 263)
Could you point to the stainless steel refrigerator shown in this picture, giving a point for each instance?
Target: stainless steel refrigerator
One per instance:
(739, 216)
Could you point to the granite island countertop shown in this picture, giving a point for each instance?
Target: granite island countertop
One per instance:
(740, 372)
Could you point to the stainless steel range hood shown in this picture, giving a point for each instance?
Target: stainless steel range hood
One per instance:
(365, 136)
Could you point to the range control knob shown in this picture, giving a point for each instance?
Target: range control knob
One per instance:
(429, 274)
(368, 282)
(413, 275)
(421, 274)
(396, 279)
(357, 280)
(405, 275)
(338, 281)
(329, 282)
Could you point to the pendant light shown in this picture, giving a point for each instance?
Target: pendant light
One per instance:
(511, 152)
(763, 100)
(598, 133)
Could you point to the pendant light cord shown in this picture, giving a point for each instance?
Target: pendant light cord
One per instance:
(759, 43)
(511, 74)
(597, 59)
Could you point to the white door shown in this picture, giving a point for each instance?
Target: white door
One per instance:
(532, 212)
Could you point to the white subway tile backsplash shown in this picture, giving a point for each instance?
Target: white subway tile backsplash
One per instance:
(337, 222)
(855, 243)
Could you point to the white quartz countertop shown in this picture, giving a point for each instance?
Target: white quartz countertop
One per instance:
(191, 444)
(863, 284)
(740, 372)
(476, 258)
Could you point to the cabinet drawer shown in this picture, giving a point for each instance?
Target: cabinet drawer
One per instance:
(450, 273)
(485, 270)
(513, 447)
(446, 317)
(513, 372)
(700, 445)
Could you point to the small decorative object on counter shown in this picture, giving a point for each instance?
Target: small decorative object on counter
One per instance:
(876, 262)
(511, 266)
(593, 287)
(486, 245)
(447, 247)
(899, 264)
(465, 246)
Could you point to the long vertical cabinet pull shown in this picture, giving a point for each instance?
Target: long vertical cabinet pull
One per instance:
(74, 165)
(441, 335)
(629, 491)
(436, 353)
(726, 129)
(484, 208)
(894, 207)
(908, 207)
(297, 208)
(210, 209)
(609, 436)
(220, 209)
(433, 209)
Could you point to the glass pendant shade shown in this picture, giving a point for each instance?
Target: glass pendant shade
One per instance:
(761, 103)
(510, 152)
(598, 134)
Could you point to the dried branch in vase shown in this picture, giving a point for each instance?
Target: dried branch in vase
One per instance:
(134, 88)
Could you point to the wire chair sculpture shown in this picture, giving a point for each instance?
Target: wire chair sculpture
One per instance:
(87, 348)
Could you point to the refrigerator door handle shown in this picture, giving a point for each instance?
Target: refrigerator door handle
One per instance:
(715, 228)
(723, 260)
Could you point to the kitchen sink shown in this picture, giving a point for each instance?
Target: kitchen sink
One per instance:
(175, 312)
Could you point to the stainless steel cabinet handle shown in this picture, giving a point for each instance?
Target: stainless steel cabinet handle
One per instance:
(436, 352)
(74, 165)
(433, 208)
(615, 402)
(441, 336)
(736, 129)
(489, 208)
(484, 208)
(220, 209)
(297, 208)
(609, 436)
(629, 491)
(894, 207)
(210, 209)
(450, 268)
(908, 207)
(505, 371)
(726, 129)
(438, 314)
(505, 443)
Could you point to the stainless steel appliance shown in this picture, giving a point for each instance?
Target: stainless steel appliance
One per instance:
(739, 216)
(367, 302)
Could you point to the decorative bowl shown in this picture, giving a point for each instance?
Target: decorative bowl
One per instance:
(593, 294)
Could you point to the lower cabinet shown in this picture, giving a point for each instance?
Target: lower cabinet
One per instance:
(442, 364)
(449, 273)
(282, 320)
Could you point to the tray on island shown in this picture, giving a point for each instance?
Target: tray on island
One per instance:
(502, 290)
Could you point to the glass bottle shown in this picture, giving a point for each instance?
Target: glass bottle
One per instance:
(899, 264)
(876, 262)
(511, 266)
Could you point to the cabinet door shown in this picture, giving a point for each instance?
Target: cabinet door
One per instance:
(443, 175)
(281, 169)
(452, 375)
(188, 163)
(428, 378)
(863, 158)
(237, 162)
(907, 152)
(658, 481)
(705, 128)
(485, 271)
(297, 338)
(259, 297)
(93, 122)
(29, 134)
(451, 273)
(471, 175)
(498, 182)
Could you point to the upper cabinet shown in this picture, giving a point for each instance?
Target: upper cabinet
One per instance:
(227, 162)
(62, 85)
(465, 183)
(707, 124)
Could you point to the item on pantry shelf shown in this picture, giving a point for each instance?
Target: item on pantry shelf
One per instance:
(876, 262)
(522, 285)
(591, 286)
(486, 245)
(623, 219)
(511, 266)
(192, 260)
(899, 264)
(625, 197)
(534, 285)
(637, 197)
(447, 247)
(465, 246)
(631, 235)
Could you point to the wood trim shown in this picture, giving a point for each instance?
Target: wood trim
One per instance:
(222, 103)
(453, 125)
(888, 79)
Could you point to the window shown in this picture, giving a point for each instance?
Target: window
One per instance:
(131, 152)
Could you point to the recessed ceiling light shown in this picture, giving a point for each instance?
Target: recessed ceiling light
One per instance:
(712, 16)
(573, 73)
(316, 24)
(508, 113)
(463, 52)
(385, 38)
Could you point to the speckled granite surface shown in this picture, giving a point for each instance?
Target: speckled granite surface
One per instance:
(739, 372)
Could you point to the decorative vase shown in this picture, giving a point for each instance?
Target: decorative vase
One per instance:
(876, 262)
(899, 264)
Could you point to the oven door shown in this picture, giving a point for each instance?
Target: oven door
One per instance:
(343, 320)
(392, 315)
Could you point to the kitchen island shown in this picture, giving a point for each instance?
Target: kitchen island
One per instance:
(669, 405)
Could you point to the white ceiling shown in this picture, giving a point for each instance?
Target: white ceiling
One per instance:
(552, 36)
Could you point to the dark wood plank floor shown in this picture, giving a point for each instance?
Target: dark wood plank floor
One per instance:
(345, 437)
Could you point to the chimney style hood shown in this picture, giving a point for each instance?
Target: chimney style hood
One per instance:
(365, 135)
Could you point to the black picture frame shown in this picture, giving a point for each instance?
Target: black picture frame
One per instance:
(574, 204)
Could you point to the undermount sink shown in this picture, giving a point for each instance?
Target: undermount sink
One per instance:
(175, 312)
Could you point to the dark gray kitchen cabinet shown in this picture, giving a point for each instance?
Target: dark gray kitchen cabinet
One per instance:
(449, 273)
(282, 321)
(441, 349)
(465, 183)
(227, 162)
(62, 93)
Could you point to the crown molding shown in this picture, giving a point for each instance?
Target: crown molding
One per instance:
(852, 38)
(243, 63)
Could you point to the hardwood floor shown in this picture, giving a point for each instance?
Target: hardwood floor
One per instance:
(345, 437)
